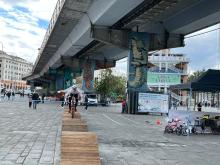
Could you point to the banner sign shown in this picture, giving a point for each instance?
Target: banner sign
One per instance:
(137, 62)
(168, 79)
(153, 102)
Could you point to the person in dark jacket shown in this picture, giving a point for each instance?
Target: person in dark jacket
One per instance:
(35, 99)
(43, 96)
(86, 102)
(199, 107)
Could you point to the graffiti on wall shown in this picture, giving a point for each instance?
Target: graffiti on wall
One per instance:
(137, 65)
(88, 73)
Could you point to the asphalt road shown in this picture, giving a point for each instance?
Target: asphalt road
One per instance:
(137, 140)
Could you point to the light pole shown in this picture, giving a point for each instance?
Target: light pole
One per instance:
(1, 75)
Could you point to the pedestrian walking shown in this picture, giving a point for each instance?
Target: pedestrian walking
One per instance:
(13, 95)
(42, 97)
(86, 102)
(8, 95)
(62, 100)
(199, 107)
(35, 99)
(30, 100)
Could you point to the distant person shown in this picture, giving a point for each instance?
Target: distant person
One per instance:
(42, 97)
(86, 102)
(199, 107)
(62, 100)
(8, 95)
(30, 100)
(35, 99)
(13, 95)
(123, 106)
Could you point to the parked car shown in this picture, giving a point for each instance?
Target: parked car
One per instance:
(92, 99)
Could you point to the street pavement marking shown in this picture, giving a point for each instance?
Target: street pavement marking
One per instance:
(111, 119)
(129, 119)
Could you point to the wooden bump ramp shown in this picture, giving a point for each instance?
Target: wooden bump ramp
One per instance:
(78, 147)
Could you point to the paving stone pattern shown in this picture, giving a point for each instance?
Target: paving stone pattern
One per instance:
(29, 136)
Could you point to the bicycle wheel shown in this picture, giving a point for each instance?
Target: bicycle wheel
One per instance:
(73, 112)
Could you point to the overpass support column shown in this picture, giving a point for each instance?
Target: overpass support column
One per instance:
(137, 68)
(88, 76)
(59, 82)
(32, 85)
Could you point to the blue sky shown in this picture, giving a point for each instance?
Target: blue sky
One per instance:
(24, 23)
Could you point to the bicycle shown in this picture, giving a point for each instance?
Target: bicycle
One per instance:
(73, 109)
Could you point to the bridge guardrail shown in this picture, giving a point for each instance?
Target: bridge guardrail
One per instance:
(53, 20)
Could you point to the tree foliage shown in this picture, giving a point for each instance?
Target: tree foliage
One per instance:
(195, 75)
(109, 84)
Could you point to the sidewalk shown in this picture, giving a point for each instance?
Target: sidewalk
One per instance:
(29, 136)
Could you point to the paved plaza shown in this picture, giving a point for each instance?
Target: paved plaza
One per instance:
(32, 137)
(29, 136)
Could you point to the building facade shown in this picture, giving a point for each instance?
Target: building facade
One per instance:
(165, 69)
(12, 69)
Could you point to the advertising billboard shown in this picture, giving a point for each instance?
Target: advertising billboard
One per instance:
(168, 79)
(153, 102)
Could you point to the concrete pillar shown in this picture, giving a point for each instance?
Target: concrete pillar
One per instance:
(88, 76)
(68, 78)
(31, 86)
(137, 69)
(59, 82)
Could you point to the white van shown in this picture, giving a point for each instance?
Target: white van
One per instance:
(92, 99)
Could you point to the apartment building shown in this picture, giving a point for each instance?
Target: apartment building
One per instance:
(165, 69)
(12, 69)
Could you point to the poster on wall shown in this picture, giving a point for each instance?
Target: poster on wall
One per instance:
(153, 102)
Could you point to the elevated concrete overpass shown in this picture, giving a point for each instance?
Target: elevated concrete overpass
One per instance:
(90, 29)
(98, 30)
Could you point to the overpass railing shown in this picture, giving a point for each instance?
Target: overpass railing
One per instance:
(53, 20)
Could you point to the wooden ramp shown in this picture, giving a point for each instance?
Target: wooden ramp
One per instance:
(76, 125)
(78, 147)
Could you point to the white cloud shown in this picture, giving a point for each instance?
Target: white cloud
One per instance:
(202, 50)
(20, 32)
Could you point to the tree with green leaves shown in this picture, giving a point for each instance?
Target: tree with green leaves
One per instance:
(196, 75)
(109, 85)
